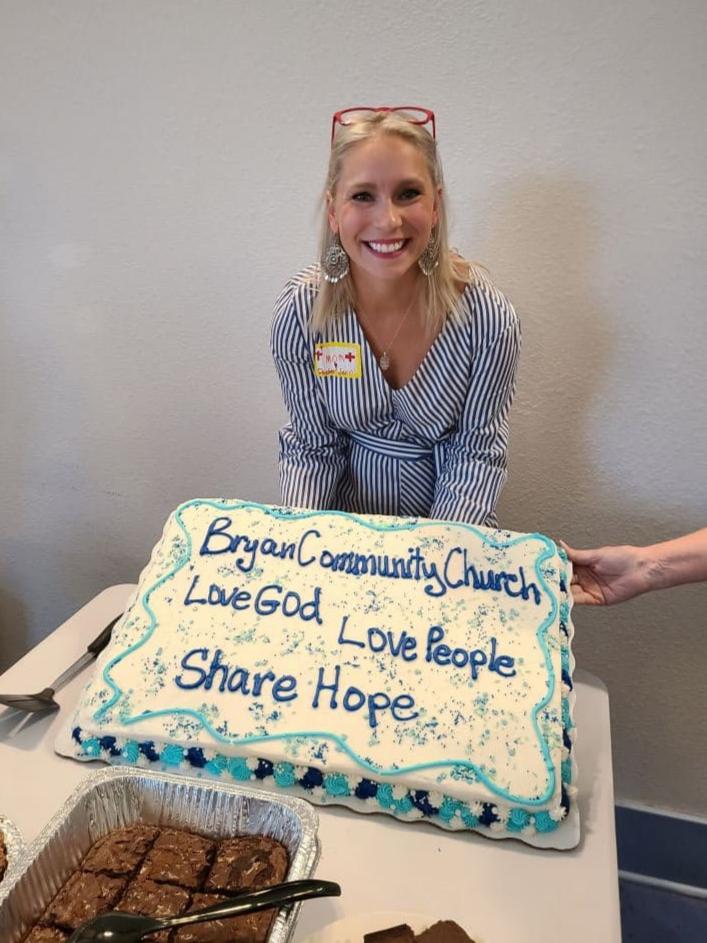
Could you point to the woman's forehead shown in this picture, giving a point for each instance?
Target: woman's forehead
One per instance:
(385, 156)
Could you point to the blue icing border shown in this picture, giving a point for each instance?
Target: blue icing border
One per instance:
(289, 515)
(331, 785)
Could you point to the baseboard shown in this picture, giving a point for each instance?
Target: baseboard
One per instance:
(664, 849)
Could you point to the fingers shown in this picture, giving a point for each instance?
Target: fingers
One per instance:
(582, 598)
(586, 595)
(582, 557)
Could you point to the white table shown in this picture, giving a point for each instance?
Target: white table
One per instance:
(500, 891)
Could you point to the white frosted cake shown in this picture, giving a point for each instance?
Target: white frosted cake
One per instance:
(419, 668)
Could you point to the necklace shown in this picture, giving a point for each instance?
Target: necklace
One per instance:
(384, 359)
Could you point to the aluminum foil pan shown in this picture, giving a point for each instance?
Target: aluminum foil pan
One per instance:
(117, 797)
(14, 848)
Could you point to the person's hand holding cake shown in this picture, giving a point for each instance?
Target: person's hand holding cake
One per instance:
(608, 575)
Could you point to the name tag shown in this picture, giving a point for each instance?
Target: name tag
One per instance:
(338, 360)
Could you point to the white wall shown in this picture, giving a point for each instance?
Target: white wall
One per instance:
(160, 164)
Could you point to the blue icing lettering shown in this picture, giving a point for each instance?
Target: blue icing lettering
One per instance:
(353, 699)
(455, 573)
(475, 659)
(76, 734)
(468, 574)
(336, 784)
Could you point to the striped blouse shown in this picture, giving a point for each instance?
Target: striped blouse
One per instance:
(434, 448)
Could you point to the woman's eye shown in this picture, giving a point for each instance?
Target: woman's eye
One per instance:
(410, 193)
(362, 196)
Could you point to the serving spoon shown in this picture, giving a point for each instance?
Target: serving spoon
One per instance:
(117, 927)
(44, 700)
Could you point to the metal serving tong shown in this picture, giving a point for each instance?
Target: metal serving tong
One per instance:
(116, 927)
(44, 700)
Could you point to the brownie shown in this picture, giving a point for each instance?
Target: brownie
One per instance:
(444, 931)
(84, 895)
(46, 935)
(121, 851)
(245, 862)
(178, 858)
(249, 928)
(165, 872)
(3, 856)
(402, 933)
(154, 900)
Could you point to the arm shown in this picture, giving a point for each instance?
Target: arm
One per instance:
(474, 468)
(609, 575)
(312, 458)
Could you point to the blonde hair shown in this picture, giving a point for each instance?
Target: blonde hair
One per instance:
(440, 290)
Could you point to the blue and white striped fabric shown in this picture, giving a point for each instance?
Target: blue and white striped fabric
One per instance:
(434, 448)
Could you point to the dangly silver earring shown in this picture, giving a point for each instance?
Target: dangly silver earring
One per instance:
(429, 260)
(335, 262)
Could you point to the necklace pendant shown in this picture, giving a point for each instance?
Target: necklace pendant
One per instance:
(384, 361)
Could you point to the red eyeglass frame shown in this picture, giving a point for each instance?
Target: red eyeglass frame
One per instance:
(429, 115)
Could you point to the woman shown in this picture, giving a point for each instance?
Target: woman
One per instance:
(396, 357)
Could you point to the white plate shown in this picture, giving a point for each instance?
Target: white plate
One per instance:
(352, 929)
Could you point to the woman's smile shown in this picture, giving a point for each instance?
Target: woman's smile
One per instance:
(391, 248)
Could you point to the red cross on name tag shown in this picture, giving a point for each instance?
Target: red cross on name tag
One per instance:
(337, 360)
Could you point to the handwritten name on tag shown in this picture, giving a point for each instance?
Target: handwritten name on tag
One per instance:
(335, 359)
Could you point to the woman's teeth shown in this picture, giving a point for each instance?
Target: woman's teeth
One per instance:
(386, 247)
